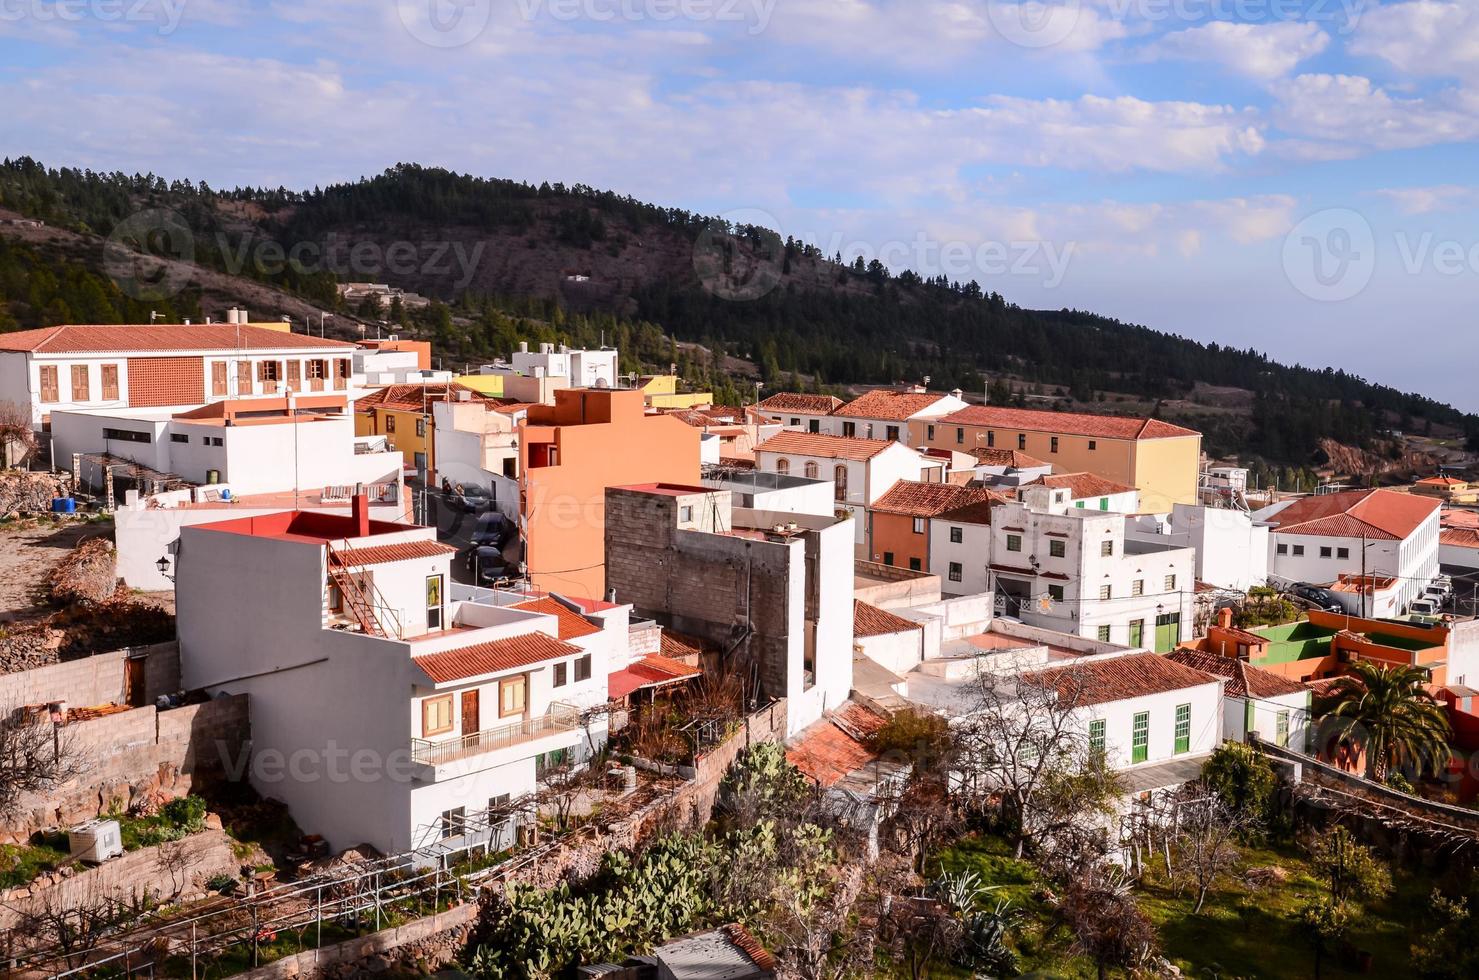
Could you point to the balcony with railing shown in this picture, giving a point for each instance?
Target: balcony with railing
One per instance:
(559, 719)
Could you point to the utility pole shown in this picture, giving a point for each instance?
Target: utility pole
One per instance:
(1363, 574)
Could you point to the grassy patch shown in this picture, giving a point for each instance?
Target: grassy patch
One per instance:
(1240, 932)
(22, 863)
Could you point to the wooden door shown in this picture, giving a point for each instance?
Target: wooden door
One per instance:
(470, 725)
(80, 387)
(295, 375)
(49, 388)
(110, 382)
(133, 681)
(218, 377)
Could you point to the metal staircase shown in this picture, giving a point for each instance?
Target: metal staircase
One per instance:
(361, 599)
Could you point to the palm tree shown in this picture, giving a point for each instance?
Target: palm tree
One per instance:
(1388, 713)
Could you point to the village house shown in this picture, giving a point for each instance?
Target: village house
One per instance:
(893, 415)
(402, 413)
(569, 454)
(1089, 491)
(341, 631)
(1449, 489)
(798, 412)
(1359, 532)
(775, 599)
(1256, 700)
(164, 366)
(861, 470)
(1161, 460)
(1231, 548)
(1075, 571)
(940, 528)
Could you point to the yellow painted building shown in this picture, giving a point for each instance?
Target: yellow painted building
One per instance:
(661, 391)
(402, 413)
(486, 384)
(1158, 458)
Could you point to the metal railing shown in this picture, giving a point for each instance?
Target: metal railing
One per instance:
(560, 718)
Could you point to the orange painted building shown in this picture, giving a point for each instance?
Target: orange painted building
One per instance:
(421, 348)
(569, 453)
(899, 521)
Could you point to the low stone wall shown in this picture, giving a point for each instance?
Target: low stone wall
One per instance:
(424, 946)
(94, 680)
(177, 871)
(136, 755)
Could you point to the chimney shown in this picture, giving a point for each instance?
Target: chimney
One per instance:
(956, 392)
(523, 347)
(359, 510)
(1224, 617)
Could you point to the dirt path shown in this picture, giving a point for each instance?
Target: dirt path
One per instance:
(27, 555)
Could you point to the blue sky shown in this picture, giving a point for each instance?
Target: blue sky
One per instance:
(1288, 175)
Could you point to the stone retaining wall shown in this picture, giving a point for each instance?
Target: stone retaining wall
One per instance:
(425, 945)
(93, 680)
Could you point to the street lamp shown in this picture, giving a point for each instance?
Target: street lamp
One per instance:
(163, 565)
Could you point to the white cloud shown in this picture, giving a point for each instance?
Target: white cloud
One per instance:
(1430, 200)
(1423, 37)
(1260, 51)
(1346, 112)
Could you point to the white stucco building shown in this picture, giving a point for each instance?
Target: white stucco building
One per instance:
(1316, 539)
(247, 446)
(382, 710)
(477, 444)
(861, 470)
(1231, 548)
(1088, 491)
(1075, 571)
(575, 368)
(798, 412)
(178, 366)
(1255, 700)
(886, 414)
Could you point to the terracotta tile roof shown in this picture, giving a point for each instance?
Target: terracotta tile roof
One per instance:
(572, 624)
(1134, 675)
(1442, 481)
(1243, 679)
(1071, 423)
(106, 338)
(1082, 485)
(824, 446)
(1459, 537)
(678, 646)
(750, 946)
(509, 653)
(831, 749)
(892, 406)
(871, 621)
(933, 499)
(413, 398)
(789, 401)
(382, 554)
(652, 670)
(1459, 518)
(1382, 514)
(1014, 458)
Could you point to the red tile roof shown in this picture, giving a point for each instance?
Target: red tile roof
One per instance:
(828, 751)
(572, 624)
(871, 621)
(382, 554)
(1013, 458)
(1134, 675)
(933, 499)
(415, 398)
(1070, 423)
(824, 446)
(107, 338)
(1082, 485)
(1243, 679)
(891, 406)
(509, 653)
(652, 670)
(788, 401)
(1382, 514)
(1459, 537)
(1442, 481)
(678, 646)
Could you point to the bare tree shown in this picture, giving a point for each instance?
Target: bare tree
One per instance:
(1023, 746)
(36, 754)
(818, 944)
(921, 816)
(1205, 837)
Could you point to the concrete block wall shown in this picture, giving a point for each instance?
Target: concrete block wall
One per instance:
(93, 680)
(135, 755)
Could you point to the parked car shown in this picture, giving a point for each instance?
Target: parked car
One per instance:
(489, 565)
(1425, 606)
(493, 529)
(1317, 596)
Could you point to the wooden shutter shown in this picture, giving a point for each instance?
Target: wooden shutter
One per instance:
(218, 377)
(110, 382)
(80, 386)
(243, 377)
(49, 383)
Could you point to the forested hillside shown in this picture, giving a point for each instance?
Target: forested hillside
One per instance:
(548, 261)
